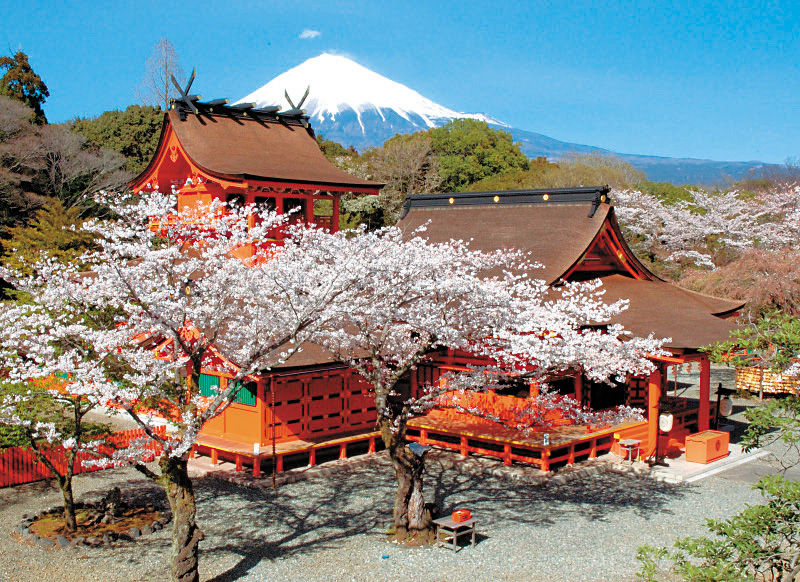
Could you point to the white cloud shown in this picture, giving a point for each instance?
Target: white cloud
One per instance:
(309, 33)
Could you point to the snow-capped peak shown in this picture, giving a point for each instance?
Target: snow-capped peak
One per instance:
(338, 84)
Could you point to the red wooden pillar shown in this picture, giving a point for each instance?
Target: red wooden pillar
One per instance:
(506, 454)
(214, 458)
(705, 391)
(578, 382)
(464, 451)
(312, 457)
(653, 398)
(261, 410)
(257, 466)
(371, 445)
(534, 389)
(343, 451)
(238, 462)
(335, 217)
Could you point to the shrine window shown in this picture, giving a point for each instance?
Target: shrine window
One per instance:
(246, 394)
(209, 385)
(298, 206)
(234, 200)
(265, 203)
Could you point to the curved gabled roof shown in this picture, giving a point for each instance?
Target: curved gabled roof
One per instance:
(559, 228)
(666, 310)
(251, 148)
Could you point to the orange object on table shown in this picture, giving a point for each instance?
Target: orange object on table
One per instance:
(460, 515)
(707, 446)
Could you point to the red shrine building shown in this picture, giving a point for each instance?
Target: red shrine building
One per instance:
(312, 406)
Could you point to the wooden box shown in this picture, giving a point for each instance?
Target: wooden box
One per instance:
(707, 446)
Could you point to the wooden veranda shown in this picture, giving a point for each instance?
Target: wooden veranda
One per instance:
(301, 452)
(566, 444)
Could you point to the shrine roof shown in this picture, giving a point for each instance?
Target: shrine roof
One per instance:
(691, 319)
(257, 148)
(557, 227)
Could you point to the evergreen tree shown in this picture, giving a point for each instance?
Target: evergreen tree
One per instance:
(20, 83)
(134, 133)
(469, 150)
(55, 230)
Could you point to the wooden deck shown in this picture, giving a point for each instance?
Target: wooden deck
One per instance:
(238, 452)
(567, 443)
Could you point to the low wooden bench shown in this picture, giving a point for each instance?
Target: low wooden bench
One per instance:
(447, 529)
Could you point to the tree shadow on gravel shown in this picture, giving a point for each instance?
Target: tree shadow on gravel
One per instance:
(593, 497)
(317, 513)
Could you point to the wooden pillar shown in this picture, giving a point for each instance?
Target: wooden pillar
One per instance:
(464, 451)
(705, 393)
(335, 217)
(534, 389)
(214, 458)
(261, 410)
(312, 457)
(256, 466)
(506, 454)
(343, 451)
(238, 458)
(653, 398)
(371, 445)
(578, 382)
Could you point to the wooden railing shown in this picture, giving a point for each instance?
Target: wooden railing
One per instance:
(18, 465)
(588, 446)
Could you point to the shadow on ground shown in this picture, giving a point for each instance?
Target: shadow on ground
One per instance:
(315, 514)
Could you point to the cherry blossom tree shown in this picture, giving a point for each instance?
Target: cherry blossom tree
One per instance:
(418, 297)
(167, 295)
(50, 373)
(728, 221)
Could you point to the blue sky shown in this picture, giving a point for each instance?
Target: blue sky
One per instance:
(718, 80)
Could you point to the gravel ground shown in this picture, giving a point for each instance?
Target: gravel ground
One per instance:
(329, 529)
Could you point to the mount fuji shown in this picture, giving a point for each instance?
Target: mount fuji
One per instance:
(352, 105)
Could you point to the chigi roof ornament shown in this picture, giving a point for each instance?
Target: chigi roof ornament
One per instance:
(188, 103)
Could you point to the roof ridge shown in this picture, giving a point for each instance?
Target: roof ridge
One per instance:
(595, 195)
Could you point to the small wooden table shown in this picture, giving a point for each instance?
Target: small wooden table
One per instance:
(447, 528)
(628, 447)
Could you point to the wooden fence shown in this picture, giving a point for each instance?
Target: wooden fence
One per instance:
(18, 465)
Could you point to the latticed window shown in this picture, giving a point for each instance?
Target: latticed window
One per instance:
(246, 394)
(209, 385)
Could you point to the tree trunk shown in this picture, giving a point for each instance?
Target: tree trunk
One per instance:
(186, 536)
(411, 520)
(65, 484)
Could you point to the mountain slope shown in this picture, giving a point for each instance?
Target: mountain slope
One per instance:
(352, 105)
